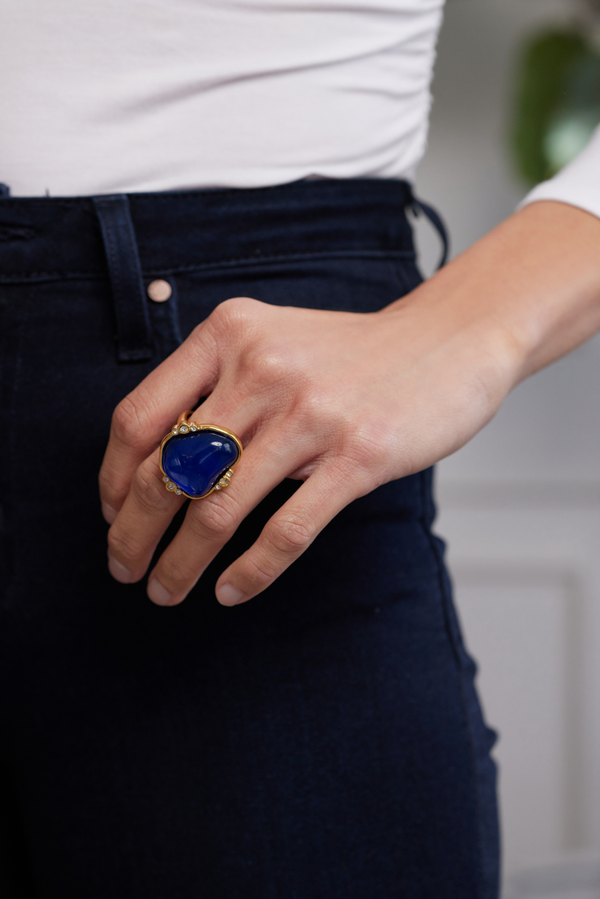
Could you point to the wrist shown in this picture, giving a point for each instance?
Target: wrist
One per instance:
(527, 293)
(447, 312)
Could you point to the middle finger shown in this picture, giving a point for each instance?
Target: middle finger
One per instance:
(211, 522)
(208, 524)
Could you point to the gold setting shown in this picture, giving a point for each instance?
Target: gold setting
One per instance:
(185, 426)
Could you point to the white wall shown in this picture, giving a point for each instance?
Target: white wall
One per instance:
(521, 503)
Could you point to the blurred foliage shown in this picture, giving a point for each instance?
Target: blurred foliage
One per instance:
(557, 102)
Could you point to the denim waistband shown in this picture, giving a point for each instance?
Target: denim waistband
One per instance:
(44, 237)
(132, 238)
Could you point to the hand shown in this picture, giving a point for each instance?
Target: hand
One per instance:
(344, 402)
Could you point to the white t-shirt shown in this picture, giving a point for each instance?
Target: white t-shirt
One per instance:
(149, 95)
(578, 183)
(140, 95)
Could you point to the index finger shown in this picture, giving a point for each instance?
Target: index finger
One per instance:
(145, 415)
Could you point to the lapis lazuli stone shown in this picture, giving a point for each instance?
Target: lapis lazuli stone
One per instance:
(195, 461)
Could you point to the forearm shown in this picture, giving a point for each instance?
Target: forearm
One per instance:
(529, 290)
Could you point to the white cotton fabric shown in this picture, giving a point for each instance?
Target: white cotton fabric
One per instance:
(143, 95)
(115, 96)
(577, 184)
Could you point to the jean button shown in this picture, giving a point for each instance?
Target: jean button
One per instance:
(159, 291)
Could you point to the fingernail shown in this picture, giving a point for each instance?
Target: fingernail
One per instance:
(228, 595)
(109, 513)
(158, 594)
(118, 571)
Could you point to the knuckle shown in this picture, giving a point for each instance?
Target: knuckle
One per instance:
(173, 573)
(123, 546)
(271, 367)
(129, 421)
(288, 535)
(367, 447)
(149, 488)
(213, 519)
(316, 411)
(256, 573)
(236, 312)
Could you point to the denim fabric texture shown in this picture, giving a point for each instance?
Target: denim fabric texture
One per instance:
(323, 741)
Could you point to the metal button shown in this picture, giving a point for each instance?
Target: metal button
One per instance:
(159, 291)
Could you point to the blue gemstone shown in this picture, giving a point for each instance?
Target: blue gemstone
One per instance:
(195, 461)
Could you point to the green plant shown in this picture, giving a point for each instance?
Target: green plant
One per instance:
(557, 101)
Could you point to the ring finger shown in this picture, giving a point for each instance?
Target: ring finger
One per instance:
(208, 525)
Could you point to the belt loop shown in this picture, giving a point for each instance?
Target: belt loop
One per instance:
(133, 323)
(434, 217)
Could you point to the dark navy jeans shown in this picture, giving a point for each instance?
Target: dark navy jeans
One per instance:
(323, 741)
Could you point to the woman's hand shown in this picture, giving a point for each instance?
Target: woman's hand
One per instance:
(343, 401)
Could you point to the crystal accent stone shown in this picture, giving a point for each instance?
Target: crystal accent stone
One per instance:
(196, 461)
(170, 486)
(166, 480)
(193, 428)
(183, 429)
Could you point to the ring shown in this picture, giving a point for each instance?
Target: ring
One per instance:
(196, 459)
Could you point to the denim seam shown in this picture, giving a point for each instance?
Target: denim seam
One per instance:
(9, 277)
(10, 506)
(446, 599)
